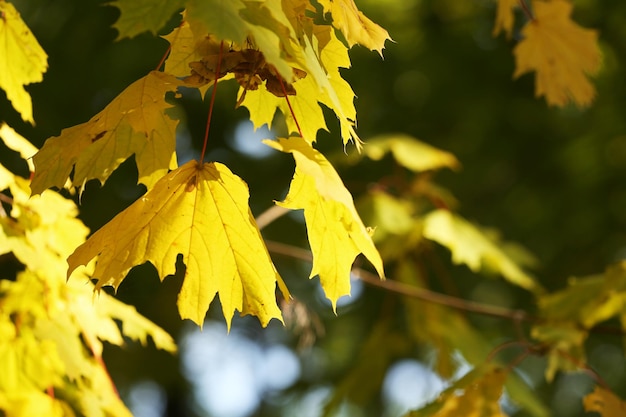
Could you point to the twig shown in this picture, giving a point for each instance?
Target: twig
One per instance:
(270, 215)
(518, 316)
(526, 10)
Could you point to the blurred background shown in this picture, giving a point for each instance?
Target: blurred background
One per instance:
(550, 179)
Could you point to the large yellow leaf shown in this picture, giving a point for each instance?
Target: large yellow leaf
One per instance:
(336, 233)
(201, 212)
(355, 26)
(23, 60)
(561, 53)
(605, 403)
(135, 122)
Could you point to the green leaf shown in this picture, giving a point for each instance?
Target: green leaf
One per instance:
(138, 16)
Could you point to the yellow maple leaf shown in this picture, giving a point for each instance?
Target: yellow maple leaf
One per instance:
(23, 60)
(135, 122)
(505, 18)
(561, 53)
(604, 402)
(355, 26)
(201, 212)
(336, 233)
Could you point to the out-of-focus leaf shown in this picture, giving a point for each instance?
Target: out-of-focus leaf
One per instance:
(476, 394)
(470, 246)
(605, 403)
(562, 54)
(19, 144)
(410, 152)
(505, 17)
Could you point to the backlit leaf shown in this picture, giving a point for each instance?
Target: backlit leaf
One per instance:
(355, 26)
(184, 50)
(561, 53)
(336, 233)
(565, 346)
(27, 62)
(470, 246)
(135, 122)
(202, 213)
(604, 402)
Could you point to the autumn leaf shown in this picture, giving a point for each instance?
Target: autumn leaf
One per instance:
(604, 402)
(568, 315)
(51, 331)
(27, 63)
(138, 16)
(355, 26)
(323, 84)
(135, 122)
(201, 212)
(561, 53)
(184, 49)
(505, 17)
(410, 152)
(19, 144)
(336, 233)
(472, 247)
(263, 23)
(476, 394)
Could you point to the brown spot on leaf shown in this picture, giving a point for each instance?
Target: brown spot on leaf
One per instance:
(98, 136)
(191, 184)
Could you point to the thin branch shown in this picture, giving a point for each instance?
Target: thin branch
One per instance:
(270, 215)
(517, 316)
(210, 116)
(289, 105)
(165, 55)
(526, 10)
